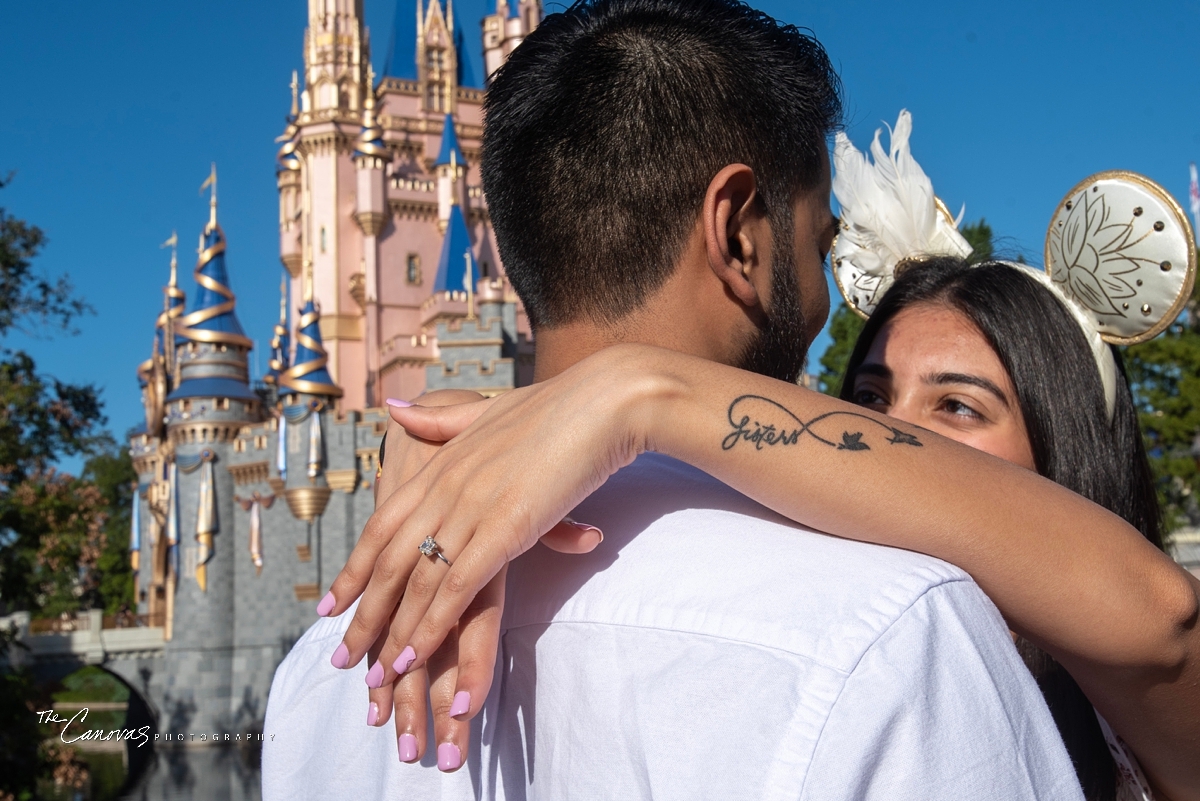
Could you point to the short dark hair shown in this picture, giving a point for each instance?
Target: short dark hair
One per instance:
(1074, 443)
(605, 126)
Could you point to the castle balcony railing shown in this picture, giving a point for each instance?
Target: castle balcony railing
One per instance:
(85, 637)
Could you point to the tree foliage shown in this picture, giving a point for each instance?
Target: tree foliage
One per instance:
(1165, 376)
(844, 328)
(30, 302)
(68, 540)
(979, 237)
(58, 533)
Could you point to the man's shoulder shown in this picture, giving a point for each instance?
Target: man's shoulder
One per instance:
(685, 553)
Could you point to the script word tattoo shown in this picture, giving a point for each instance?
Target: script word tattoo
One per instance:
(765, 423)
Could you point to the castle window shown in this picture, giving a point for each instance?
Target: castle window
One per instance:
(187, 406)
(413, 269)
(239, 446)
(322, 239)
(223, 404)
(484, 269)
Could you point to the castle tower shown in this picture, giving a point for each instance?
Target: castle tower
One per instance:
(368, 173)
(437, 58)
(371, 159)
(505, 29)
(336, 88)
(335, 46)
(288, 180)
(451, 174)
(307, 393)
(205, 413)
(156, 375)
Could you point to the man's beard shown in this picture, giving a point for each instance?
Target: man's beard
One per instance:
(779, 348)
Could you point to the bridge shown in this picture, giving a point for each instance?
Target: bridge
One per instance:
(86, 639)
(124, 646)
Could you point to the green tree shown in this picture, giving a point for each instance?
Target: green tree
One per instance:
(1165, 376)
(979, 237)
(111, 472)
(844, 329)
(42, 420)
(21, 760)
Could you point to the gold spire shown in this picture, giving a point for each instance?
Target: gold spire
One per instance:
(211, 180)
(295, 95)
(170, 312)
(173, 244)
(369, 100)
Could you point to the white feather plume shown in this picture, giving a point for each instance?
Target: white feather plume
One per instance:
(889, 213)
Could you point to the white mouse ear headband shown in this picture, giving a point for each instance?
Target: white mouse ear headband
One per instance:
(1120, 253)
(889, 213)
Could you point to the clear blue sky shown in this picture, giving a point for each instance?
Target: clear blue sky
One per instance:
(113, 113)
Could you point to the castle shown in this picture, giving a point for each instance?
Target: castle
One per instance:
(251, 494)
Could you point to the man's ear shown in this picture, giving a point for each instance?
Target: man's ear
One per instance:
(735, 231)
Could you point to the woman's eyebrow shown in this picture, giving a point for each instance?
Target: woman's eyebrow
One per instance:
(877, 370)
(973, 380)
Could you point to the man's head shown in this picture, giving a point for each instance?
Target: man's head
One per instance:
(605, 133)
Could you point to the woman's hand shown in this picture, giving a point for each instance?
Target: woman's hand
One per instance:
(497, 485)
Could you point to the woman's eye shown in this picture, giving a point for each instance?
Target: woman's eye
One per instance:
(960, 409)
(865, 397)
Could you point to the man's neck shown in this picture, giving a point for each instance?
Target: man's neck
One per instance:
(560, 347)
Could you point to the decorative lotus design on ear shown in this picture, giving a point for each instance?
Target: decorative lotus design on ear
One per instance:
(1121, 249)
(1092, 255)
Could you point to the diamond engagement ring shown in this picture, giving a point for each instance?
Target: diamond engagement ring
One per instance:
(429, 547)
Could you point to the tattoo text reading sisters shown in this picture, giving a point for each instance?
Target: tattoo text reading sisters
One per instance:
(761, 422)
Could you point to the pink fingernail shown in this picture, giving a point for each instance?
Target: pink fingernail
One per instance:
(585, 527)
(407, 746)
(461, 705)
(449, 757)
(399, 404)
(326, 605)
(372, 714)
(406, 658)
(375, 676)
(340, 657)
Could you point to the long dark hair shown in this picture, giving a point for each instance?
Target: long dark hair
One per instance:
(1074, 444)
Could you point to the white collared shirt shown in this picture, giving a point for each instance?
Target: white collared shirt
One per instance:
(708, 649)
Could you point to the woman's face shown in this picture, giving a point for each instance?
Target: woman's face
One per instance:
(931, 367)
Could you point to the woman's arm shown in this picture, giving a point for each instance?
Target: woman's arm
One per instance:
(1072, 577)
(1067, 574)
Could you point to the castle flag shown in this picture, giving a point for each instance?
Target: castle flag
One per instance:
(1194, 196)
(135, 531)
(206, 523)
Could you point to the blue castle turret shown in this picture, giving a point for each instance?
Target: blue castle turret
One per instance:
(456, 264)
(156, 374)
(308, 374)
(281, 342)
(449, 152)
(205, 412)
